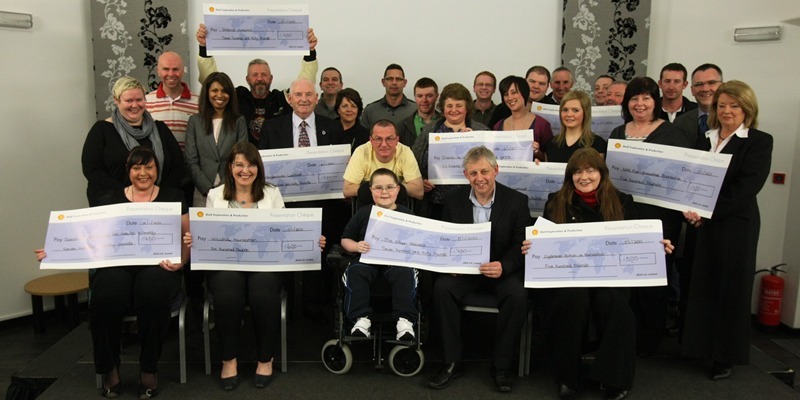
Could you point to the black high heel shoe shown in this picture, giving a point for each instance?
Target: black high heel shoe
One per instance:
(111, 392)
(229, 383)
(145, 392)
(261, 381)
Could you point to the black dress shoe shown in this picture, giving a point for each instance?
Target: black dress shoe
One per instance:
(229, 383)
(446, 374)
(721, 371)
(501, 382)
(566, 393)
(261, 381)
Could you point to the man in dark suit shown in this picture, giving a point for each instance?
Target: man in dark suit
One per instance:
(706, 79)
(484, 200)
(305, 128)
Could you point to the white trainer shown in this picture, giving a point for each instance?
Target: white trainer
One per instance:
(361, 328)
(405, 329)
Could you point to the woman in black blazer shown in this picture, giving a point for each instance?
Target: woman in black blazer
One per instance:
(717, 323)
(211, 134)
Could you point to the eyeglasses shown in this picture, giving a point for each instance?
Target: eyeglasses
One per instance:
(244, 166)
(484, 85)
(709, 83)
(388, 140)
(387, 188)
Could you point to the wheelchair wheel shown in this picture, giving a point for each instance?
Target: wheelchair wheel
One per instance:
(406, 361)
(337, 359)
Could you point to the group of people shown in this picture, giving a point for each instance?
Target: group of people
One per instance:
(203, 151)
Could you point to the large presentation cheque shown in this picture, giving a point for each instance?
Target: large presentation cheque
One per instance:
(256, 29)
(534, 181)
(113, 236)
(251, 239)
(595, 254)
(604, 118)
(406, 240)
(307, 173)
(667, 176)
(446, 151)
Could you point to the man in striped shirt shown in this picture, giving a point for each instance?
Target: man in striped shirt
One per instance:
(172, 102)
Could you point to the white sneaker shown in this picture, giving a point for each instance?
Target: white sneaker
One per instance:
(361, 328)
(405, 329)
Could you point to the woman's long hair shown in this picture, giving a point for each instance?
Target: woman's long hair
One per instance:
(250, 154)
(587, 137)
(231, 113)
(607, 199)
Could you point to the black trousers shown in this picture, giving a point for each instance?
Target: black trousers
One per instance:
(449, 290)
(149, 292)
(358, 279)
(570, 313)
(232, 291)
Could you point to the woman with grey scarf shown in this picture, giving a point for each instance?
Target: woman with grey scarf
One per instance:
(109, 141)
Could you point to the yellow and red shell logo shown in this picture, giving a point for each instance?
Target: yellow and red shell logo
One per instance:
(535, 232)
(617, 145)
(210, 9)
(380, 213)
(200, 214)
(61, 217)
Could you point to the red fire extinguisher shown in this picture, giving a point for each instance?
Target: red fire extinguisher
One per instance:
(771, 296)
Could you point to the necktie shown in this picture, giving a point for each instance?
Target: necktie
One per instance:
(303, 141)
(703, 124)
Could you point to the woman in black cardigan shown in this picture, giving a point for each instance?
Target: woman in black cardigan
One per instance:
(588, 195)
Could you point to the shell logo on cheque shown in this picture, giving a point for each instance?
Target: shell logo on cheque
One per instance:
(535, 232)
(538, 108)
(437, 138)
(61, 217)
(200, 214)
(380, 213)
(210, 9)
(617, 145)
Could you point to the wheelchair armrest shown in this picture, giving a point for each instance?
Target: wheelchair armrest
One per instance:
(338, 258)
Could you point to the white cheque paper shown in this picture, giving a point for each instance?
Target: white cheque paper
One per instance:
(307, 173)
(604, 118)
(446, 151)
(667, 176)
(595, 254)
(275, 29)
(113, 235)
(534, 181)
(406, 240)
(251, 239)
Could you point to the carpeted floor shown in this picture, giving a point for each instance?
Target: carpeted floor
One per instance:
(664, 376)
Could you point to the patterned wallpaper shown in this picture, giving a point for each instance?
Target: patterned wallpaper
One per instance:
(605, 37)
(128, 37)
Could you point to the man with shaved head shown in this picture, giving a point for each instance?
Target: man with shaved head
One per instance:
(172, 102)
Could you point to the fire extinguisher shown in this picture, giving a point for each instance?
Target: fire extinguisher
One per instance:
(771, 296)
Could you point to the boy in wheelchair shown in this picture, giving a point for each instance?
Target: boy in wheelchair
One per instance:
(358, 277)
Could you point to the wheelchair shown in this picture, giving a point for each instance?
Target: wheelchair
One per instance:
(405, 359)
